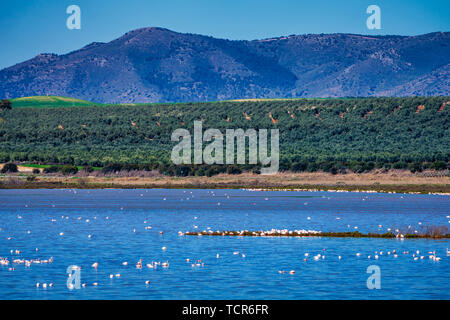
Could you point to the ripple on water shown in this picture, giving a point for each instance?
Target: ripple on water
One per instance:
(129, 225)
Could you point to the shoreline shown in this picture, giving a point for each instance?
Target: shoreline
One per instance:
(395, 181)
(310, 233)
(401, 189)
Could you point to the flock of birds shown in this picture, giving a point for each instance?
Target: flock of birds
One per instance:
(5, 261)
(16, 256)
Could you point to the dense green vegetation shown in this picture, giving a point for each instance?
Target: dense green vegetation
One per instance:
(315, 134)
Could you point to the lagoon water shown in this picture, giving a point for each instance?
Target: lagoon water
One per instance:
(58, 223)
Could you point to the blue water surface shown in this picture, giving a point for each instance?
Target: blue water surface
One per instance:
(129, 225)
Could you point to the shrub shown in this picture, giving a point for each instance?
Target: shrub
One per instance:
(233, 169)
(68, 170)
(182, 171)
(256, 170)
(5, 104)
(88, 169)
(299, 166)
(52, 169)
(112, 168)
(415, 167)
(438, 165)
(436, 231)
(400, 165)
(211, 171)
(9, 167)
(200, 172)
(312, 167)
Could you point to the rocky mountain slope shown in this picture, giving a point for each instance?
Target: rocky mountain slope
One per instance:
(159, 65)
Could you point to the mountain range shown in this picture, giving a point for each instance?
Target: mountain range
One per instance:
(159, 65)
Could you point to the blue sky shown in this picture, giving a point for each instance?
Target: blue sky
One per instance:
(30, 27)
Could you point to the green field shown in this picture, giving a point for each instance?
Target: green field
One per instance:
(44, 166)
(49, 101)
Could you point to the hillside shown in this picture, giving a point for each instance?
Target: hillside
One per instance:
(315, 134)
(159, 65)
(48, 101)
